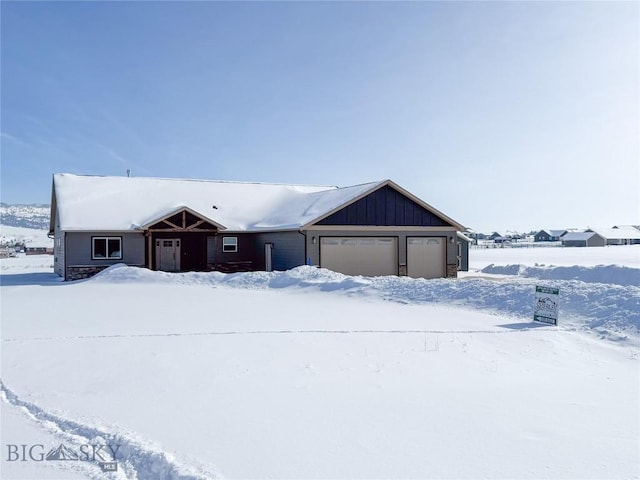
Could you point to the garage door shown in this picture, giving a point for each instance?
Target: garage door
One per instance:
(426, 257)
(368, 256)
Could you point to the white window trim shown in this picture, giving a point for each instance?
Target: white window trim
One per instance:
(231, 246)
(107, 239)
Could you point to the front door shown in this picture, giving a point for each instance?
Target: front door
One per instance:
(168, 254)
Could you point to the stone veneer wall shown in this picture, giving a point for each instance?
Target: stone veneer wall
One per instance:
(452, 271)
(79, 272)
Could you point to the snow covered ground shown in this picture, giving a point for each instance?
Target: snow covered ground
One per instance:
(30, 236)
(557, 256)
(313, 374)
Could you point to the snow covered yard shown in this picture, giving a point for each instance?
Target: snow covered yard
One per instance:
(311, 374)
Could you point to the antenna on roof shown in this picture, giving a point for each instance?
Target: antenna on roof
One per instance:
(128, 172)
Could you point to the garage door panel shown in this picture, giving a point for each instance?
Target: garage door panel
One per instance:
(369, 256)
(426, 257)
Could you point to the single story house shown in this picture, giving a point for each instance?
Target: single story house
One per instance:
(619, 235)
(177, 225)
(583, 239)
(549, 235)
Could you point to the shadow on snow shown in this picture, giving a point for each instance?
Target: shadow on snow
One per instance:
(38, 278)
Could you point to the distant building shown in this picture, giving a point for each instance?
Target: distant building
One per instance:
(7, 252)
(498, 238)
(583, 239)
(39, 250)
(549, 235)
(618, 235)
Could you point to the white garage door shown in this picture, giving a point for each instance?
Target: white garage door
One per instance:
(426, 257)
(368, 256)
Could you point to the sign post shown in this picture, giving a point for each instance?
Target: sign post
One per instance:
(546, 305)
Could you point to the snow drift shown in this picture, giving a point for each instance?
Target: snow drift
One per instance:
(615, 274)
(611, 310)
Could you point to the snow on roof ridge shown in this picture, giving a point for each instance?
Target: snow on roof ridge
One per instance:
(206, 180)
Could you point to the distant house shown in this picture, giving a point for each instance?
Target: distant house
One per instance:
(583, 239)
(498, 238)
(548, 235)
(624, 235)
(39, 251)
(7, 252)
(181, 225)
(636, 227)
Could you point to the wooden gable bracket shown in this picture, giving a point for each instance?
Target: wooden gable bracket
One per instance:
(196, 225)
(172, 225)
(180, 223)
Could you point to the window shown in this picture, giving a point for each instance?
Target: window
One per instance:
(106, 248)
(229, 244)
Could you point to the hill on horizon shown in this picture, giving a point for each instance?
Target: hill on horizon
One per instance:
(34, 215)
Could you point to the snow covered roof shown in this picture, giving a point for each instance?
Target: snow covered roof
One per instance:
(572, 236)
(621, 233)
(101, 203)
(552, 232)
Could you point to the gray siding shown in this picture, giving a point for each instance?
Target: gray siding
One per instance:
(288, 249)
(78, 248)
(596, 241)
(464, 255)
(574, 243)
(313, 249)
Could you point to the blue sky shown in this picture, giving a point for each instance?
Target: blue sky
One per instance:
(504, 115)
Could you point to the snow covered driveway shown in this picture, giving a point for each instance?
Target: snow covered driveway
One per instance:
(308, 374)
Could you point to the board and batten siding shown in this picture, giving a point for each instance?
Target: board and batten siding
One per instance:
(78, 248)
(384, 207)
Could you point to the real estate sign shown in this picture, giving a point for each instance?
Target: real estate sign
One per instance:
(546, 305)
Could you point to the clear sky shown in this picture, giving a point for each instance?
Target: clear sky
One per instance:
(504, 115)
